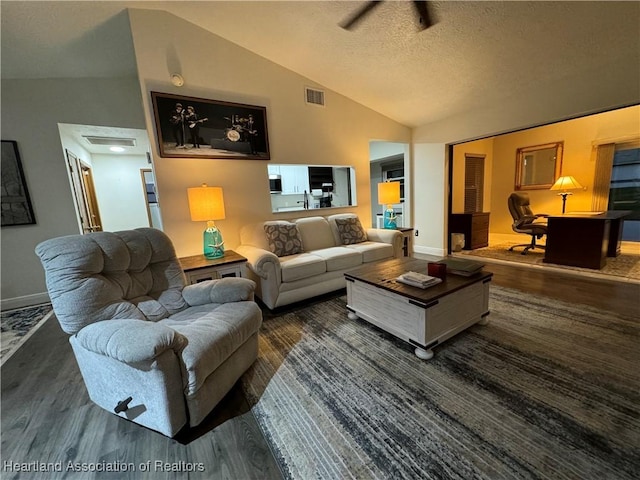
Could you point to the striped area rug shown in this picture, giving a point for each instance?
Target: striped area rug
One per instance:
(546, 390)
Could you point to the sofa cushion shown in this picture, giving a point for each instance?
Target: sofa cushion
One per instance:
(339, 258)
(350, 230)
(372, 251)
(296, 267)
(316, 233)
(283, 239)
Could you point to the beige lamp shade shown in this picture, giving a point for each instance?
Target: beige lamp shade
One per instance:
(566, 183)
(388, 192)
(206, 203)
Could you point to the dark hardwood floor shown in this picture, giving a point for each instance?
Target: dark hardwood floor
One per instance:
(617, 296)
(610, 295)
(48, 417)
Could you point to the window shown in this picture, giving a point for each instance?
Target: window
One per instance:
(473, 183)
(624, 192)
(395, 173)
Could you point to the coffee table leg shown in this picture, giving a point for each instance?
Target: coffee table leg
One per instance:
(423, 354)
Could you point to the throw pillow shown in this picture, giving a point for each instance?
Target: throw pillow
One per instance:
(283, 239)
(350, 230)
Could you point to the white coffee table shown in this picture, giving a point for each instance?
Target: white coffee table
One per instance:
(424, 318)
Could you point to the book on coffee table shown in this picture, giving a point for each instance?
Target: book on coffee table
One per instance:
(419, 280)
(460, 266)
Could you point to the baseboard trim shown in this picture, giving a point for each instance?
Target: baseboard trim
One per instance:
(437, 252)
(24, 301)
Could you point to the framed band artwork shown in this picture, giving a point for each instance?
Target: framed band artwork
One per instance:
(197, 127)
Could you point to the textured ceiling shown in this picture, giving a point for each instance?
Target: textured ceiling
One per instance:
(478, 53)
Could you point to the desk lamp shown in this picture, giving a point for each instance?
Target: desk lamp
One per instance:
(389, 193)
(564, 184)
(206, 204)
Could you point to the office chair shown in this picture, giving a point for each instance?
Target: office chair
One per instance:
(524, 221)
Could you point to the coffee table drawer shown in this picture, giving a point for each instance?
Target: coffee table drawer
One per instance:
(387, 310)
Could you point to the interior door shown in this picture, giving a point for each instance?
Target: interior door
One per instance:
(84, 194)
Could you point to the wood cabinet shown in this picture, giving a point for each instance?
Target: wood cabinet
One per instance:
(474, 226)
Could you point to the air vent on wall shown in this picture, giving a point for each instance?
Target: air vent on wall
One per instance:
(313, 96)
(111, 141)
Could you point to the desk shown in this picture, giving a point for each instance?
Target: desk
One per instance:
(584, 239)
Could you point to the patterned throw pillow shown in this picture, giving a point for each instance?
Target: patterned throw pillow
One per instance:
(350, 230)
(284, 239)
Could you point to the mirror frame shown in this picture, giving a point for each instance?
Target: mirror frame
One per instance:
(520, 153)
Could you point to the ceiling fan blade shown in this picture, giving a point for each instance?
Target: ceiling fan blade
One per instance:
(360, 14)
(426, 19)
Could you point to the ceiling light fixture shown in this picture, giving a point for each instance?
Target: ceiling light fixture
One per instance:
(116, 149)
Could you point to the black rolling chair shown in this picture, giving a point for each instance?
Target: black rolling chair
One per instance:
(523, 221)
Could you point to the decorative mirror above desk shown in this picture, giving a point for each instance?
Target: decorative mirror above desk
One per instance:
(538, 167)
(305, 187)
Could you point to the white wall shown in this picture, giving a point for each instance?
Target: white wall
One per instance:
(214, 68)
(31, 111)
(120, 192)
(430, 198)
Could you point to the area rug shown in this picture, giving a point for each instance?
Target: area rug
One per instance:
(625, 265)
(546, 390)
(18, 324)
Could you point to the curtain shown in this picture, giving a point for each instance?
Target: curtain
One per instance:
(602, 181)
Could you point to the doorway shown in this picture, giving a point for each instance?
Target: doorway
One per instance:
(389, 161)
(106, 179)
(84, 194)
(151, 197)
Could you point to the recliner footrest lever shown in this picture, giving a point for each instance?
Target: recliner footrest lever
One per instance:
(123, 405)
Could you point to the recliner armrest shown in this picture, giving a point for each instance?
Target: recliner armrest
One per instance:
(129, 340)
(221, 290)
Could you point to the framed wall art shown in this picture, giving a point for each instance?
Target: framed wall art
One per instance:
(16, 204)
(197, 127)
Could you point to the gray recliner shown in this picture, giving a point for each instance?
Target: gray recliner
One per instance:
(149, 348)
(525, 221)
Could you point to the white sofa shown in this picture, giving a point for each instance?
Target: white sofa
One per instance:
(319, 268)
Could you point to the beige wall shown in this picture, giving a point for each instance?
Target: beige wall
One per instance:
(580, 136)
(212, 67)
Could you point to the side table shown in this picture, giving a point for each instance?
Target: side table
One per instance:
(199, 268)
(407, 233)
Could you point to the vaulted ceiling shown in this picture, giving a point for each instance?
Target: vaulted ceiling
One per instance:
(477, 53)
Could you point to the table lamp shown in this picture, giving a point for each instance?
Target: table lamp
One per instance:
(389, 193)
(206, 204)
(564, 184)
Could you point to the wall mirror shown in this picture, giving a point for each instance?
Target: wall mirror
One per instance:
(538, 167)
(306, 187)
